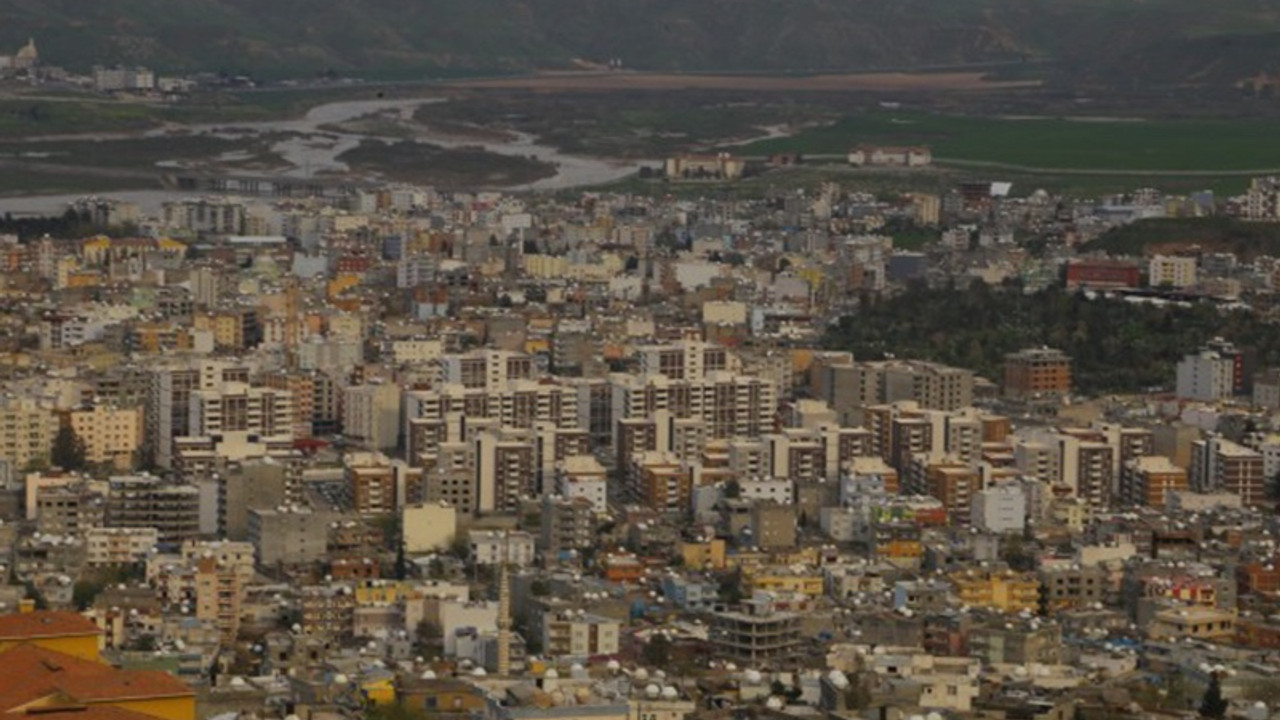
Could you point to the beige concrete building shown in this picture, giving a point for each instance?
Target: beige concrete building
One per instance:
(371, 416)
(1171, 271)
(238, 406)
(110, 434)
(119, 546)
(26, 431)
(428, 527)
(571, 634)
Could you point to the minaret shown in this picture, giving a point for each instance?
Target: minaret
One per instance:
(504, 618)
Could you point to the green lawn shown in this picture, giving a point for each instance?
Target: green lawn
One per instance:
(1155, 145)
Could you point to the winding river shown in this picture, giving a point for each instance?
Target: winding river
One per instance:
(314, 146)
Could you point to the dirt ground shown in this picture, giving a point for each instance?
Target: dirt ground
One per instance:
(885, 82)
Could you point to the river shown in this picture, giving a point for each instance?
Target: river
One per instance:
(314, 146)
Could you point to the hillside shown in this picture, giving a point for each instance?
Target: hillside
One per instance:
(1117, 42)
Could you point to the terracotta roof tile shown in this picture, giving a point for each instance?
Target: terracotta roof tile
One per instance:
(44, 624)
(29, 673)
(78, 712)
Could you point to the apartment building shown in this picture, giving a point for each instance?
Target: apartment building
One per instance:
(288, 536)
(847, 386)
(578, 634)
(521, 404)
(27, 430)
(1037, 372)
(1149, 480)
(730, 404)
(954, 484)
(111, 435)
(1002, 590)
(240, 407)
(68, 510)
(659, 481)
(114, 546)
(1173, 271)
(757, 633)
(1219, 465)
(568, 523)
(686, 360)
(999, 509)
(486, 369)
(315, 401)
(1217, 371)
(582, 477)
(145, 501)
(1262, 200)
(219, 594)
(168, 412)
(1087, 463)
(505, 464)
(328, 611)
(496, 547)
(371, 416)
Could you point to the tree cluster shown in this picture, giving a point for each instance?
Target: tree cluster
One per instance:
(1115, 346)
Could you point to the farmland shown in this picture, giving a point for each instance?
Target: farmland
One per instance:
(1102, 144)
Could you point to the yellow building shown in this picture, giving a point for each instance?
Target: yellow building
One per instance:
(65, 632)
(50, 663)
(1006, 590)
(341, 284)
(227, 329)
(380, 691)
(546, 266)
(110, 435)
(1199, 623)
(707, 554)
(783, 581)
(383, 592)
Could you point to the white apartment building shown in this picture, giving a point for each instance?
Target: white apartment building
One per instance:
(582, 476)
(1206, 376)
(999, 509)
(494, 547)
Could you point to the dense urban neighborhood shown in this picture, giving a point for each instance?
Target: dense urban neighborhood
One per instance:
(408, 453)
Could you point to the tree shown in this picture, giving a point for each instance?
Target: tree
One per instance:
(731, 591)
(428, 638)
(1213, 705)
(657, 651)
(68, 450)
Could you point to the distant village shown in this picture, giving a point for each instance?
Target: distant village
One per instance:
(26, 67)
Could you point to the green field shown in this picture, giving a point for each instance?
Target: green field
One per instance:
(936, 180)
(1137, 145)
